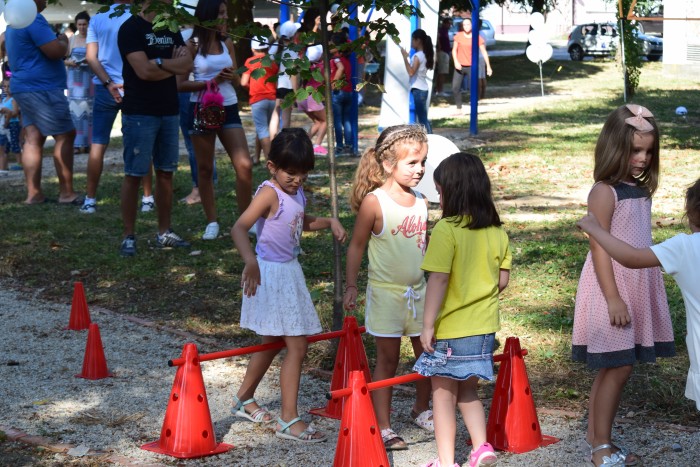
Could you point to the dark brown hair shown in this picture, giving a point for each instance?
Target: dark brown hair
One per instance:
(465, 191)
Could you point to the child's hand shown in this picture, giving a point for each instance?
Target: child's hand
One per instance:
(338, 231)
(619, 316)
(588, 223)
(250, 278)
(427, 339)
(404, 52)
(350, 298)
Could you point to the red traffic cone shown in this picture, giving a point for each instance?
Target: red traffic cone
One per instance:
(187, 429)
(513, 425)
(359, 440)
(94, 363)
(79, 314)
(351, 356)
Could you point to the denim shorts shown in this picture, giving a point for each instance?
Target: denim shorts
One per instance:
(262, 115)
(232, 120)
(46, 110)
(104, 112)
(459, 358)
(150, 139)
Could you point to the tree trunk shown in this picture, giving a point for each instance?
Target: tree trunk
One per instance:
(240, 12)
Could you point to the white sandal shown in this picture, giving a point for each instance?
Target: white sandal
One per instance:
(424, 419)
(257, 416)
(306, 436)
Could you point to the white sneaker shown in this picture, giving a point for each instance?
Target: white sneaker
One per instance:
(147, 205)
(88, 207)
(211, 232)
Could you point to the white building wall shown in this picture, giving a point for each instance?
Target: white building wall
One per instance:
(681, 38)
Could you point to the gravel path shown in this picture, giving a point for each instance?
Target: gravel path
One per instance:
(40, 396)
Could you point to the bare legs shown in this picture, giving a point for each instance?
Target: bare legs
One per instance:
(388, 353)
(280, 119)
(602, 406)
(446, 394)
(95, 165)
(290, 375)
(63, 161)
(236, 145)
(163, 197)
(318, 126)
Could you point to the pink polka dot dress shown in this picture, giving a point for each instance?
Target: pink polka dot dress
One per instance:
(650, 334)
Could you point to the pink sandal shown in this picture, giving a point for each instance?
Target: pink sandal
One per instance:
(482, 456)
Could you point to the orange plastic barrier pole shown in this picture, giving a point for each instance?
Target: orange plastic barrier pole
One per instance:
(377, 385)
(259, 348)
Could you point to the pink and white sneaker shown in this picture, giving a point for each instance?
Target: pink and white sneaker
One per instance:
(436, 463)
(320, 150)
(482, 456)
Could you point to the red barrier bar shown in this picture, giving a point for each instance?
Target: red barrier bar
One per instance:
(398, 380)
(501, 357)
(377, 385)
(259, 348)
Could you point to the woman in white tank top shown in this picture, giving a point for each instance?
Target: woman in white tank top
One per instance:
(214, 60)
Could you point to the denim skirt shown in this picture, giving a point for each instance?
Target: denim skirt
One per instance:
(459, 358)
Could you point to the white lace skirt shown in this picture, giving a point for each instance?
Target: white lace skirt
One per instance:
(282, 304)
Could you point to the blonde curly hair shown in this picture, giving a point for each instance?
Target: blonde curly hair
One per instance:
(390, 147)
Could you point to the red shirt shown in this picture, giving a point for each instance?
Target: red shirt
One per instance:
(259, 88)
(347, 87)
(464, 47)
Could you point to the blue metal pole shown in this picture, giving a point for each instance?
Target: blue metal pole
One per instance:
(415, 22)
(474, 78)
(354, 110)
(284, 12)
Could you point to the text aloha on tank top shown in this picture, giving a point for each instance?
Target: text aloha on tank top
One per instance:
(396, 254)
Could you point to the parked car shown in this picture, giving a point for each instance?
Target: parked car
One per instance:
(486, 31)
(601, 39)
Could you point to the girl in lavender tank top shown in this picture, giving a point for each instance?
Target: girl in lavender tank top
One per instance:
(276, 303)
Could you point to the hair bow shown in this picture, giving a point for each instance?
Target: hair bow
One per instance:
(8, 74)
(639, 120)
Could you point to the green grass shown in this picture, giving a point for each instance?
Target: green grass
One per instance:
(539, 155)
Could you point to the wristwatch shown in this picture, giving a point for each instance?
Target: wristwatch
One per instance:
(159, 62)
(107, 83)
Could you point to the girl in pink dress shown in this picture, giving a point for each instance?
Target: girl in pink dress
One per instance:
(621, 314)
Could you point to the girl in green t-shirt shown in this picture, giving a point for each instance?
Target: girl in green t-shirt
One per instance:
(469, 261)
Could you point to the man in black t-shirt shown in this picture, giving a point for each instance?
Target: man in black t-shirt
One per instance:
(150, 120)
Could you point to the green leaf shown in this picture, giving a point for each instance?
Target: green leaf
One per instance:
(257, 73)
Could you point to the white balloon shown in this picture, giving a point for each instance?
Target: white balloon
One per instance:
(546, 52)
(20, 13)
(537, 37)
(536, 20)
(533, 53)
(439, 148)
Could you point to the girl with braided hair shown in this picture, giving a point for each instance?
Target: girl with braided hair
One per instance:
(391, 223)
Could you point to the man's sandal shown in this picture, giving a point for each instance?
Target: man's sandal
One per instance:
(257, 416)
(392, 441)
(423, 419)
(309, 435)
(616, 459)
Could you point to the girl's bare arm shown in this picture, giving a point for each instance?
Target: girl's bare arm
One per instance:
(622, 252)
(601, 202)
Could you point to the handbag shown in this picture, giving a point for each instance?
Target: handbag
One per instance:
(209, 112)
